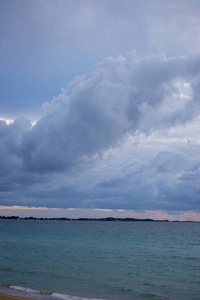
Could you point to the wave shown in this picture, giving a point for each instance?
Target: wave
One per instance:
(68, 297)
(20, 288)
(40, 295)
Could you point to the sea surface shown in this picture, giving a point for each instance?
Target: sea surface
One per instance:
(74, 260)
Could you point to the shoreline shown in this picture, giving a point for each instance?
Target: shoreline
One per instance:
(4, 296)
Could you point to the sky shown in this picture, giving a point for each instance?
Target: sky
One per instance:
(100, 108)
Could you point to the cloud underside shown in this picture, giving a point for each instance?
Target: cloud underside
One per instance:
(105, 141)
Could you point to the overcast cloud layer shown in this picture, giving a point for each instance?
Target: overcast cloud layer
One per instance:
(123, 136)
(45, 44)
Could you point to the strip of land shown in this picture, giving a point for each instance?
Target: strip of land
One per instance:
(111, 219)
(11, 297)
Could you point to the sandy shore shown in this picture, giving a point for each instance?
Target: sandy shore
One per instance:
(11, 297)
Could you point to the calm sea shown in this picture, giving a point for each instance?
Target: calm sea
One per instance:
(100, 260)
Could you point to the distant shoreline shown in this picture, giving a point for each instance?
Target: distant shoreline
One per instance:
(109, 219)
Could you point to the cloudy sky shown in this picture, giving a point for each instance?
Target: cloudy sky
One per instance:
(100, 108)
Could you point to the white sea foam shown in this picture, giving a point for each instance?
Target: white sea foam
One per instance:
(20, 288)
(68, 297)
(41, 295)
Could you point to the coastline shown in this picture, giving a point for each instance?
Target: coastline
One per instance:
(12, 297)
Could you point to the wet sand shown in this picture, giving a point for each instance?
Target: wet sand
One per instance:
(11, 297)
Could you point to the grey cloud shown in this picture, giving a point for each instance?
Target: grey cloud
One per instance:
(46, 43)
(165, 162)
(95, 113)
(166, 182)
(97, 110)
(141, 25)
(10, 136)
(45, 26)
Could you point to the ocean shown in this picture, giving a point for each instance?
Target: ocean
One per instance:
(51, 260)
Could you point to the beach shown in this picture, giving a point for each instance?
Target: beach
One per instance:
(11, 297)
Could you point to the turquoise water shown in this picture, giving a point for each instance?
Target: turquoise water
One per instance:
(102, 260)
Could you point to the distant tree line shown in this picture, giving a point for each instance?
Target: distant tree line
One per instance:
(110, 219)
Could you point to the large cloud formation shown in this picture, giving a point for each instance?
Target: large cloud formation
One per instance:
(121, 98)
(97, 110)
